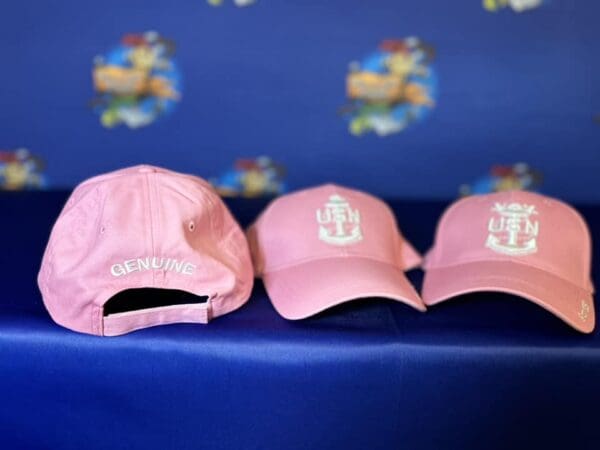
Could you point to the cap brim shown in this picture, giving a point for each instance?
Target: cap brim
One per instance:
(306, 289)
(569, 302)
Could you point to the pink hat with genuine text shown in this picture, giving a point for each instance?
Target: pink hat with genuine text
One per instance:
(516, 242)
(323, 246)
(140, 247)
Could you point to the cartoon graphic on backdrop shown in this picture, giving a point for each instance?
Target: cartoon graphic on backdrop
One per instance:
(20, 170)
(505, 178)
(252, 178)
(236, 2)
(518, 6)
(391, 88)
(136, 82)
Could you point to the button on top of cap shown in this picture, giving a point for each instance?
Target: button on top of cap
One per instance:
(147, 169)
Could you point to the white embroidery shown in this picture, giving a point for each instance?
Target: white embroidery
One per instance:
(152, 263)
(584, 312)
(512, 232)
(338, 223)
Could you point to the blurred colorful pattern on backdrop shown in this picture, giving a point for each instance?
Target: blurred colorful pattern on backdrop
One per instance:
(504, 178)
(518, 81)
(235, 2)
(21, 170)
(516, 5)
(137, 81)
(392, 87)
(249, 177)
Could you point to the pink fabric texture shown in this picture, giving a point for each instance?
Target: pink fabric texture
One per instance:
(143, 227)
(516, 242)
(326, 245)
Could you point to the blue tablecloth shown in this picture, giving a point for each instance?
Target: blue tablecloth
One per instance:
(484, 372)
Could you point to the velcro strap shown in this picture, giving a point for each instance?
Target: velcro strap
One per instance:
(121, 323)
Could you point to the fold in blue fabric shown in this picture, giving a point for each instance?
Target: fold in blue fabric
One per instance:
(484, 371)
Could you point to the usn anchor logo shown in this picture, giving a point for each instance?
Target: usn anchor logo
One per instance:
(338, 223)
(512, 231)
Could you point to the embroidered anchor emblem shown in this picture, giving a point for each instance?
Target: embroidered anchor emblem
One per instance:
(339, 224)
(512, 232)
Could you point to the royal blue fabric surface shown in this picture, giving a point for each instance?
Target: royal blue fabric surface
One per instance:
(488, 371)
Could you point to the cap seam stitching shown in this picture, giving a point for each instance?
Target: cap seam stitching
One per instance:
(148, 195)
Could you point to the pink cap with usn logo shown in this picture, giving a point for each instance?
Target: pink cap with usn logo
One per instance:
(326, 245)
(519, 243)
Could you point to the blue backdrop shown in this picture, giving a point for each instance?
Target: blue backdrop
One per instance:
(270, 79)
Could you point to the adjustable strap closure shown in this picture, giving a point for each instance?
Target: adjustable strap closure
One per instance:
(121, 323)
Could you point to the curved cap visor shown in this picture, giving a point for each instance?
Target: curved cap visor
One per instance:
(306, 289)
(571, 303)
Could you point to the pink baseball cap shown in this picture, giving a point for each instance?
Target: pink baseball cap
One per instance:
(516, 242)
(140, 247)
(326, 245)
